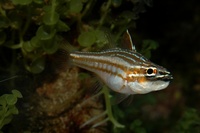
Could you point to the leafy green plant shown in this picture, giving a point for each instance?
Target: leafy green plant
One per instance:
(189, 122)
(36, 28)
(39, 43)
(8, 107)
(147, 46)
(136, 126)
(88, 38)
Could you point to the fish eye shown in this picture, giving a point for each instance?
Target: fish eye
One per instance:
(150, 71)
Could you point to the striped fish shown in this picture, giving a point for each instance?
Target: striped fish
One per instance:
(123, 70)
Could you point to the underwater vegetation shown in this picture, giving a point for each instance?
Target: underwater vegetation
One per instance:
(46, 95)
(8, 108)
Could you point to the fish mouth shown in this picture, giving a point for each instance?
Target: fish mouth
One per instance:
(166, 77)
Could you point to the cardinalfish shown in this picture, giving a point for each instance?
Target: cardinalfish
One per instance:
(123, 70)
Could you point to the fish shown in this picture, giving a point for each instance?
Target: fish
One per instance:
(123, 70)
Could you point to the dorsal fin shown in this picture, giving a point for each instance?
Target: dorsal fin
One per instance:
(110, 42)
(127, 41)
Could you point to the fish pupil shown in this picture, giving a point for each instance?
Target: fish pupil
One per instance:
(150, 71)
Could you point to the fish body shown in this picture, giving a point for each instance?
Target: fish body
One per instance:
(123, 70)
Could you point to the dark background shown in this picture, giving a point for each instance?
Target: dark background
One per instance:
(173, 24)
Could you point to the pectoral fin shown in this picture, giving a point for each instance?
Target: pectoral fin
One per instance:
(118, 98)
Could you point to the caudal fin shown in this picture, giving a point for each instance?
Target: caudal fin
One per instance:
(61, 58)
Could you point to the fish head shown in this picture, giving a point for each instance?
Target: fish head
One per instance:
(145, 79)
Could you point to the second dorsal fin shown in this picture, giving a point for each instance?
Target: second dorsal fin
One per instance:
(127, 41)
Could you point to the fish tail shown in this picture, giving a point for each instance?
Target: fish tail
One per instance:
(62, 56)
